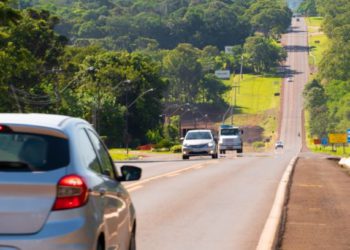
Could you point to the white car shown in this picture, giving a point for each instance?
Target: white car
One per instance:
(279, 144)
(199, 142)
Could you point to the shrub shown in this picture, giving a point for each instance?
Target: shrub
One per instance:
(176, 149)
(164, 143)
(258, 144)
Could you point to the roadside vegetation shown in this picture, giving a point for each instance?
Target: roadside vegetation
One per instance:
(257, 106)
(121, 63)
(327, 95)
(318, 41)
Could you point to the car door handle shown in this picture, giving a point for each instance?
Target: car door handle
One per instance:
(102, 191)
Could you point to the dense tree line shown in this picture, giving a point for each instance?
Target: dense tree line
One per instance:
(122, 24)
(99, 59)
(308, 8)
(333, 79)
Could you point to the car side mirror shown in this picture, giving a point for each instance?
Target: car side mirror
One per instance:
(130, 173)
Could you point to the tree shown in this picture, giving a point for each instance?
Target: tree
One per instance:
(8, 15)
(308, 8)
(316, 104)
(107, 90)
(263, 54)
(184, 73)
(269, 17)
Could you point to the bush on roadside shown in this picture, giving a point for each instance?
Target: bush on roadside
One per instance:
(164, 143)
(258, 144)
(176, 149)
(160, 150)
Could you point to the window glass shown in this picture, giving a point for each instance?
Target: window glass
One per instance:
(107, 165)
(233, 131)
(87, 152)
(32, 152)
(198, 136)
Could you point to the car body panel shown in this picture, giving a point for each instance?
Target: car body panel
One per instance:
(20, 211)
(230, 138)
(108, 211)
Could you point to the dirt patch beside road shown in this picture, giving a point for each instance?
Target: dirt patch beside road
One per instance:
(318, 211)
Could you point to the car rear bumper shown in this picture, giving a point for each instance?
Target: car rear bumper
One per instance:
(63, 230)
(230, 147)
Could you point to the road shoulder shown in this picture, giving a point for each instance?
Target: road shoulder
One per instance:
(317, 213)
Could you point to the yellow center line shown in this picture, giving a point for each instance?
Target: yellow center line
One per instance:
(173, 173)
(134, 188)
(310, 185)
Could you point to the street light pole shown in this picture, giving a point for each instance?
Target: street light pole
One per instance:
(126, 132)
(95, 116)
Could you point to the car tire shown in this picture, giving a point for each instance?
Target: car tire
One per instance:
(132, 245)
(185, 157)
(214, 156)
(100, 245)
(240, 151)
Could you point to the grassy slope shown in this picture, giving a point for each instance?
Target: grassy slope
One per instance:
(316, 34)
(256, 102)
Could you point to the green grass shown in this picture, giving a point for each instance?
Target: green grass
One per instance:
(256, 102)
(339, 150)
(314, 23)
(119, 154)
(318, 41)
(256, 93)
(318, 44)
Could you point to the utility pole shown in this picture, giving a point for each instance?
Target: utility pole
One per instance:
(235, 87)
(16, 98)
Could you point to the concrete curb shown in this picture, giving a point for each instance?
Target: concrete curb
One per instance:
(344, 162)
(269, 235)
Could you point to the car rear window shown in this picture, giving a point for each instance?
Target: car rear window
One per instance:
(229, 131)
(38, 152)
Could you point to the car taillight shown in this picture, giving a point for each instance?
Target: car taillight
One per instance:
(4, 129)
(71, 193)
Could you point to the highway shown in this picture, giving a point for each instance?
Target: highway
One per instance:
(207, 204)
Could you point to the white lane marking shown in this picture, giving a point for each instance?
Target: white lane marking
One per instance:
(169, 174)
(271, 227)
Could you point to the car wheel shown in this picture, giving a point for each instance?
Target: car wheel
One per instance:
(132, 245)
(214, 156)
(100, 245)
(185, 157)
(240, 151)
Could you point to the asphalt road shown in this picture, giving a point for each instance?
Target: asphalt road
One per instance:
(223, 203)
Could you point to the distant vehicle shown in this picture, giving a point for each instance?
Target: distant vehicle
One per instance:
(298, 19)
(199, 142)
(59, 187)
(230, 138)
(290, 79)
(279, 144)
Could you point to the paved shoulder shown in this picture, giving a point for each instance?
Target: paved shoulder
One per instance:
(318, 211)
